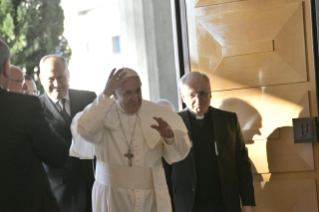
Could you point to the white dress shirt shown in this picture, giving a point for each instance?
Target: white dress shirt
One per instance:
(67, 103)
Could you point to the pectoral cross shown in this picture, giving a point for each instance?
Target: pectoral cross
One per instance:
(129, 155)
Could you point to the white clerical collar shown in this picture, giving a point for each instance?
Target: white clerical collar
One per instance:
(1, 86)
(200, 117)
(65, 97)
(196, 116)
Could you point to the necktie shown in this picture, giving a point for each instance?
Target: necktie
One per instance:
(65, 114)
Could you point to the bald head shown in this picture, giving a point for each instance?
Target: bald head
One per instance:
(30, 88)
(54, 76)
(166, 103)
(4, 64)
(16, 79)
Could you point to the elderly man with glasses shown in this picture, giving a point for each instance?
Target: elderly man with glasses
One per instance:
(216, 175)
(16, 79)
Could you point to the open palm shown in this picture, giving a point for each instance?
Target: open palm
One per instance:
(163, 127)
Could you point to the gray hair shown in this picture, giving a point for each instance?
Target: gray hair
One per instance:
(192, 74)
(27, 77)
(4, 53)
(166, 103)
(55, 56)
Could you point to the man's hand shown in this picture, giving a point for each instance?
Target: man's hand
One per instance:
(114, 82)
(247, 209)
(163, 128)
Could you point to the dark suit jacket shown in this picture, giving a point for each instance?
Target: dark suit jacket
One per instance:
(26, 140)
(233, 165)
(71, 184)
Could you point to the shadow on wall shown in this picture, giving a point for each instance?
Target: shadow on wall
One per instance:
(282, 192)
(249, 118)
(284, 155)
(275, 193)
(250, 121)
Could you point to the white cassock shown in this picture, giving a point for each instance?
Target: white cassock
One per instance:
(120, 188)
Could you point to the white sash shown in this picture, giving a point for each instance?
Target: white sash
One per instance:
(143, 178)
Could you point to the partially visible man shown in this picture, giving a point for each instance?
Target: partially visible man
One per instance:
(166, 103)
(129, 136)
(71, 184)
(30, 87)
(16, 79)
(216, 175)
(24, 145)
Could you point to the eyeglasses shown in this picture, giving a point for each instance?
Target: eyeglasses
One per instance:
(19, 81)
(33, 93)
(198, 95)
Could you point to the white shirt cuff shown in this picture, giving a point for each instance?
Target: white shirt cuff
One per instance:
(169, 141)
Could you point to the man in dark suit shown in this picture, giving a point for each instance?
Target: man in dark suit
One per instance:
(71, 184)
(216, 175)
(26, 141)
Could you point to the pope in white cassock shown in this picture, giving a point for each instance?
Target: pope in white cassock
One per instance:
(129, 136)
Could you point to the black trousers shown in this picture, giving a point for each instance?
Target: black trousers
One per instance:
(88, 207)
(207, 206)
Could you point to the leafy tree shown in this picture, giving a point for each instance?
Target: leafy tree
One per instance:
(32, 29)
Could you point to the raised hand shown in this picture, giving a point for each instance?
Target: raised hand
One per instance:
(163, 128)
(114, 81)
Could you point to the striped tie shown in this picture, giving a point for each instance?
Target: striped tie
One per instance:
(65, 114)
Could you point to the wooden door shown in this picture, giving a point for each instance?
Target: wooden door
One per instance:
(258, 56)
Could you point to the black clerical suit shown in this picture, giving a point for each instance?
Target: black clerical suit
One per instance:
(72, 184)
(231, 166)
(26, 140)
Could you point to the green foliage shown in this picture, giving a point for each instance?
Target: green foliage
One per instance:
(33, 29)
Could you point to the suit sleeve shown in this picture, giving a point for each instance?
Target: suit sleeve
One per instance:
(48, 146)
(93, 96)
(246, 188)
(168, 174)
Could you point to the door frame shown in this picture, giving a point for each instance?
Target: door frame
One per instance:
(182, 36)
(315, 37)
